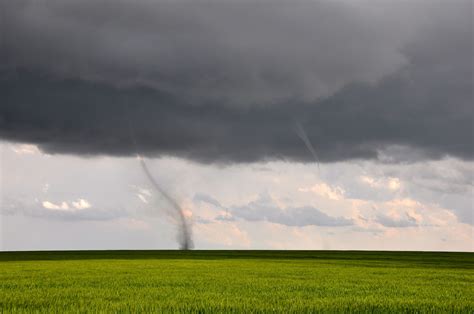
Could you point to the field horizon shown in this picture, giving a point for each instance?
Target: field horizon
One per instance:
(204, 253)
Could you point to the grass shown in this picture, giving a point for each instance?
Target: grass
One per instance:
(236, 281)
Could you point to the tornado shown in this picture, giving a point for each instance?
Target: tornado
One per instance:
(184, 229)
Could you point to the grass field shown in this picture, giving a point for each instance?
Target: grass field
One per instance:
(236, 281)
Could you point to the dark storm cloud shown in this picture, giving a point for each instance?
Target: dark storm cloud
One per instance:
(197, 81)
(238, 52)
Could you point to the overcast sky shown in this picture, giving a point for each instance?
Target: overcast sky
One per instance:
(272, 124)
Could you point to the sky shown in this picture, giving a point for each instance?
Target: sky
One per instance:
(336, 125)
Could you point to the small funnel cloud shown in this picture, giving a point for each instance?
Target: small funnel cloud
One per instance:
(304, 137)
(184, 229)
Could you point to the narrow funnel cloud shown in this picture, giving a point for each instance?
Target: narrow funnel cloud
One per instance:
(302, 135)
(184, 229)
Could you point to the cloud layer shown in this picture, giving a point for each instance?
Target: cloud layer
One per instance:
(195, 81)
(264, 209)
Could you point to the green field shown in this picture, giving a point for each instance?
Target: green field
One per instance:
(236, 281)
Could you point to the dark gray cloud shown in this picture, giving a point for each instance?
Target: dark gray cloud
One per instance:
(237, 52)
(196, 81)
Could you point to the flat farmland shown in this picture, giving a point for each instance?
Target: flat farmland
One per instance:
(236, 281)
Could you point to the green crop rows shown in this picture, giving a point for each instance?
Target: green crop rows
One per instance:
(236, 281)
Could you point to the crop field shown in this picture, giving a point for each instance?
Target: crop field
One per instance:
(236, 281)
